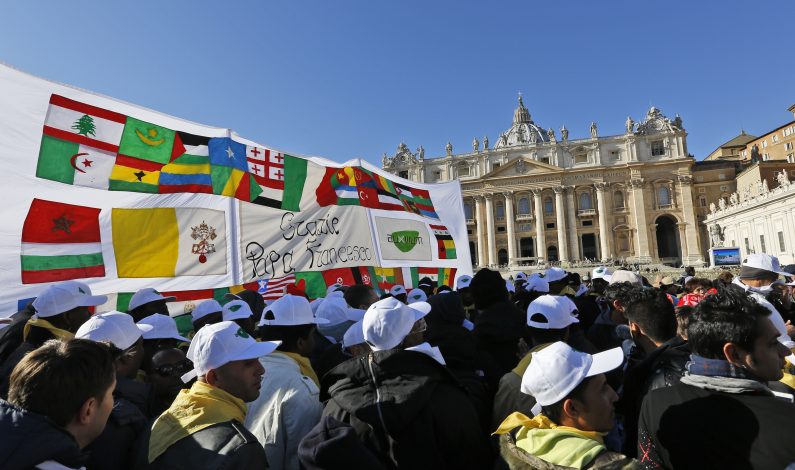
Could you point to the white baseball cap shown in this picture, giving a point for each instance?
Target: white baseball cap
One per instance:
(510, 286)
(558, 369)
(290, 310)
(236, 310)
(315, 304)
(623, 275)
(387, 322)
(520, 277)
(554, 274)
(163, 327)
(334, 310)
(536, 284)
(205, 308)
(397, 289)
(65, 296)
(417, 295)
(221, 343)
(146, 295)
(555, 310)
(333, 288)
(353, 335)
(463, 282)
(601, 273)
(115, 327)
(765, 262)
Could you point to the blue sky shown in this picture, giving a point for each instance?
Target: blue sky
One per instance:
(344, 79)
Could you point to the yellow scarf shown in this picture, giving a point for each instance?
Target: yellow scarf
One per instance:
(304, 365)
(193, 410)
(516, 419)
(568, 291)
(42, 323)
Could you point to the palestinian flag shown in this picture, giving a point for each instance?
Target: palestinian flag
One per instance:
(79, 144)
(189, 169)
(60, 242)
(444, 242)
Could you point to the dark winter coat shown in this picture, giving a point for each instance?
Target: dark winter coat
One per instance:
(498, 329)
(28, 439)
(408, 410)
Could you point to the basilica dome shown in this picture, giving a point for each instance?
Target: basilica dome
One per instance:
(523, 131)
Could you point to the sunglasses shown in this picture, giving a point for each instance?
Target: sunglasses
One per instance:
(178, 368)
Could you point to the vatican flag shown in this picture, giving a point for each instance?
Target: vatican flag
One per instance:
(168, 242)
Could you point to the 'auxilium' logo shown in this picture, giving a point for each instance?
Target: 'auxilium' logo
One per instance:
(405, 240)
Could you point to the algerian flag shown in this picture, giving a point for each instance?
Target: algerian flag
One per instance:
(169, 242)
(73, 163)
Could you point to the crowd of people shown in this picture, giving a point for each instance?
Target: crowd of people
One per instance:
(542, 371)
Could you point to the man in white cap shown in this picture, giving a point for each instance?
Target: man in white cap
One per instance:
(399, 292)
(239, 312)
(549, 318)
(203, 428)
(353, 341)
(288, 406)
(206, 313)
(404, 405)
(757, 274)
(576, 409)
(558, 280)
(60, 310)
(148, 301)
(123, 442)
(160, 332)
(462, 286)
(416, 295)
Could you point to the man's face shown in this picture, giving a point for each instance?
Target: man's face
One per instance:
(597, 412)
(168, 365)
(100, 417)
(242, 379)
(76, 317)
(416, 335)
(767, 359)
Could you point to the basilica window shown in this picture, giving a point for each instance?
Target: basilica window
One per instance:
(524, 206)
(618, 200)
(463, 171)
(657, 148)
(404, 174)
(663, 196)
(581, 158)
(549, 208)
(437, 175)
(468, 212)
(702, 201)
(585, 201)
(500, 211)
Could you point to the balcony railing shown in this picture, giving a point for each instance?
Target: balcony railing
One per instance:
(524, 216)
(586, 212)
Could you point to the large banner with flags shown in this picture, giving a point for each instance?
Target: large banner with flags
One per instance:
(123, 197)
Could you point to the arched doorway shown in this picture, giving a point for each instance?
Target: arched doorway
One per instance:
(502, 257)
(552, 253)
(668, 245)
(589, 246)
(473, 254)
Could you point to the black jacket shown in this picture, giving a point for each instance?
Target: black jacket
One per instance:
(408, 410)
(11, 336)
(662, 367)
(222, 446)
(334, 445)
(28, 439)
(685, 426)
(498, 329)
(125, 441)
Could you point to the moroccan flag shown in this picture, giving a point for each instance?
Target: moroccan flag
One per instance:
(60, 242)
(134, 174)
(146, 141)
(79, 143)
(444, 242)
(189, 170)
(168, 242)
(338, 188)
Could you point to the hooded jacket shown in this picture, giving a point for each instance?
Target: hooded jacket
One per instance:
(408, 410)
(288, 408)
(498, 329)
(29, 439)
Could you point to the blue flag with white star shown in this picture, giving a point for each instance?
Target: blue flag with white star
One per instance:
(226, 152)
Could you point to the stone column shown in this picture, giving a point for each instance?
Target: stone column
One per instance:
(694, 256)
(541, 242)
(638, 206)
(511, 234)
(571, 213)
(604, 228)
(492, 249)
(563, 247)
(482, 257)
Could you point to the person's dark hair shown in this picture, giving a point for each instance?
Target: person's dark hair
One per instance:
(653, 311)
(621, 291)
(729, 316)
(555, 410)
(488, 288)
(539, 336)
(358, 294)
(725, 278)
(57, 378)
(288, 335)
(696, 282)
(690, 270)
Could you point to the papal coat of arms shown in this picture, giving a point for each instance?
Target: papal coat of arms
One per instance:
(204, 234)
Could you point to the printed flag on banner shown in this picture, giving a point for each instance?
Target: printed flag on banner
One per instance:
(444, 242)
(146, 141)
(388, 277)
(229, 170)
(134, 174)
(442, 276)
(416, 201)
(338, 188)
(189, 169)
(275, 288)
(267, 168)
(79, 143)
(60, 242)
(168, 242)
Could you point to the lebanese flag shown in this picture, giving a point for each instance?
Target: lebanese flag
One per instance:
(84, 124)
(60, 242)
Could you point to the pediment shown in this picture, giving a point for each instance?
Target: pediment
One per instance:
(523, 166)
